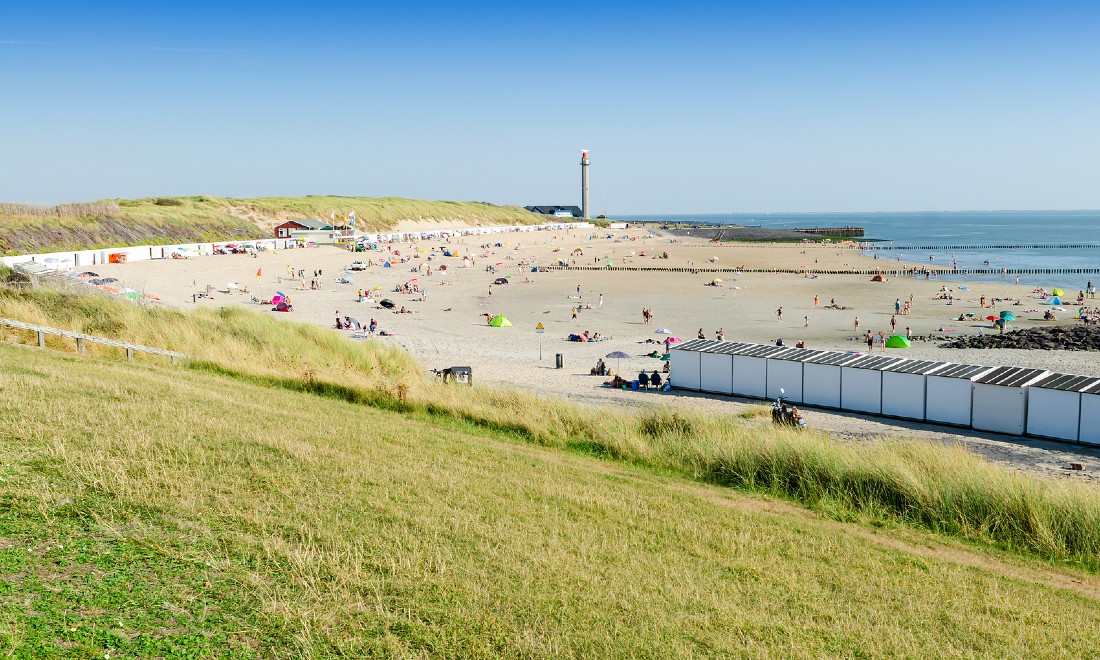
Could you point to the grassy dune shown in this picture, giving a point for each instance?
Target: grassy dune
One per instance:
(944, 489)
(151, 510)
(166, 220)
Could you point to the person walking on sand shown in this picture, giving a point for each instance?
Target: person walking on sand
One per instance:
(574, 314)
(908, 333)
(893, 323)
(779, 315)
(807, 321)
(600, 304)
(882, 340)
(870, 341)
(817, 301)
(857, 324)
(897, 305)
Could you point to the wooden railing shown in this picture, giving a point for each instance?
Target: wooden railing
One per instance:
(81, 338)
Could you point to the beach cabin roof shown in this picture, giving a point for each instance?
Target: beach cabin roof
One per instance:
(1067, 382)
(832, 358)
(964, 371)
(1010, 376)
(693, 345)
(725, 347)
(920, 367)
(759, 350)
(876, 362)
(796, 354)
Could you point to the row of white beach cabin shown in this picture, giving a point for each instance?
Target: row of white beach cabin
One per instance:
(1011, 400)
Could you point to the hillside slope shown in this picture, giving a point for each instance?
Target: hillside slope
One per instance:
(168, 220)
(152, 510)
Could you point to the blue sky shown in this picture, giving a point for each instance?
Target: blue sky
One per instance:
(713, 107)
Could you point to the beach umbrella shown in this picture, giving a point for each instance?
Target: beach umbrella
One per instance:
(897, 341)
(673, 340)
(663, 331)
(1008, 316)
(991, 318)
(619, 356)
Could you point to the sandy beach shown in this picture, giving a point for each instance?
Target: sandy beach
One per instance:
(446, 325)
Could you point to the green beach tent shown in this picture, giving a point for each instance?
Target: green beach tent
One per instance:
(499, 321)
(897, 341)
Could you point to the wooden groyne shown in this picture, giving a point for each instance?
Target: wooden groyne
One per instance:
(890, 272)
(1015, 246)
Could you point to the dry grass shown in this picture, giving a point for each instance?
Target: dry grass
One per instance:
(326, 528)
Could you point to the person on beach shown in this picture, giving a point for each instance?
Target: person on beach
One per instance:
(779, 315)
(882, 340)
(817, 302)
(806, 320)
(701, 335)
(897, 305)
(574, 314)
(908, 333)
(600, 305)
(721, 334)
(893, 323)
(857, 324)
(870, 341)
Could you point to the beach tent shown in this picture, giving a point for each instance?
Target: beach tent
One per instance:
(1000, 399)
(1055, 301)
(1057, 292)
(387, 303)
(499, 321)
(878, 278)
(500, 280)
(281, 307)
(897, 341)
(1054, 406)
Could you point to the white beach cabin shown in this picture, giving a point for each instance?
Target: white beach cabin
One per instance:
(861, 383)
(1090, 416)
(904, 385)
(1054, 406)
(684, 363)
(785, 373)
(750, 369)
(716, 366)
(949, 393)
(821, 378)
(1000, 399)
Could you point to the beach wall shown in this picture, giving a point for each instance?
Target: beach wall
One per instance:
(1010, 400)
(72, 260)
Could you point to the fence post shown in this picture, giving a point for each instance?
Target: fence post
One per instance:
(79, 344)
(41, 339)
(129, 354)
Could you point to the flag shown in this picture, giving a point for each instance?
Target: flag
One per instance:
(259, 273)
(351, 219)
(334, 214)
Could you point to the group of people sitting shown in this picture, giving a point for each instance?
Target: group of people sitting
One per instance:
(585, 336)
(408, 287)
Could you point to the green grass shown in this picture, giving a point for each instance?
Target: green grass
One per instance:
(921, 484)
(152, 510)
(202, 218)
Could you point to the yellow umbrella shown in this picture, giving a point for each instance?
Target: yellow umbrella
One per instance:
(718, 279)
(377, 288)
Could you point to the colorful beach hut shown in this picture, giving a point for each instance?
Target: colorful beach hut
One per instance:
(1000, 399)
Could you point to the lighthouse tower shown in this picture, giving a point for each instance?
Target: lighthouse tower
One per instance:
(584, 184)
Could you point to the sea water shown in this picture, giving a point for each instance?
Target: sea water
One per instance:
(905, 230)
